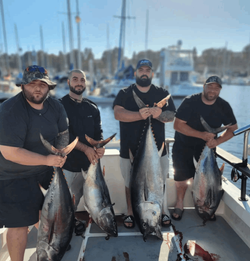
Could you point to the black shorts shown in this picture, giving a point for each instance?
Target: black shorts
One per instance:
(21, 199)
(183, 161)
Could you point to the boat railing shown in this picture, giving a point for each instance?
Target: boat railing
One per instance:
(237, 164)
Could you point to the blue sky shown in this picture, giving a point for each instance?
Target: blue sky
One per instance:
(200, 24)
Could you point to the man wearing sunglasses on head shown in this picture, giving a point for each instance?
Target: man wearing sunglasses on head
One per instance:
(24, 161)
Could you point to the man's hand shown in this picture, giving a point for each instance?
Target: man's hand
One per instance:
(100, 152)
(55, 161)
(212, 143)
(206, 136)
(92, 155)
(145, 113)
(155, 112)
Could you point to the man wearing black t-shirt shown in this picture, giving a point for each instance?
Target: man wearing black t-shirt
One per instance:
(84, 118)
(132, 120)
(24, 161)
(191, 137)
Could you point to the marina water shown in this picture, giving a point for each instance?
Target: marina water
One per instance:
(239, 99)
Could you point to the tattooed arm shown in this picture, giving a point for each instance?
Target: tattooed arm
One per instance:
(62, 139)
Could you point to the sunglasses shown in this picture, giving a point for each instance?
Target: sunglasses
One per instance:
(34, 68)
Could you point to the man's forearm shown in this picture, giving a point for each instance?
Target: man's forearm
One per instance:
(81, 146)
(23, 156)
(166, 116)
(124, 115)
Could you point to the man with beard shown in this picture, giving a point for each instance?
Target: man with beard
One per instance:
(24, 161)
(84, 118)
(132, 120)
(191, 137)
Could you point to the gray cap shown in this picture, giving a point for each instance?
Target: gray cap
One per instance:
(34, 72)
(214, 79)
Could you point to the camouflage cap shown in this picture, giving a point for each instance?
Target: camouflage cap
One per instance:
(34, 72)
(214, 79)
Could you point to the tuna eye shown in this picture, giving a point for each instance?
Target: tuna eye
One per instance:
(144, 225)
(154, 213)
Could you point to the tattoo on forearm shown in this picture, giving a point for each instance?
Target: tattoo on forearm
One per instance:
(166, 116)
(62, 139)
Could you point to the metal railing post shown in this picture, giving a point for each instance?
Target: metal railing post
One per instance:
(246, 131)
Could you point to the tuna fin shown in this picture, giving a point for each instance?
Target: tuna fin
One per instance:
(164, 101)
(100, 143)
(44, 191)
(62, 152)
(158, 232)
(213, 130)
(195, 162)
(161, 150)
(131, 156)
(103, 172)
(84, 174)
(138, 101)
(222, 168)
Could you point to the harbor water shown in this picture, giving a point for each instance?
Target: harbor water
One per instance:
(239, 99)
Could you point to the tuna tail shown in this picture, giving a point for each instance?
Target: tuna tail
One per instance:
(100, 143)
(138, 101)
(63, 152)
(141, 104)
(213, 130)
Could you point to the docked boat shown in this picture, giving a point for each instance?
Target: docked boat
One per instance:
(226, 239)
(176, 72)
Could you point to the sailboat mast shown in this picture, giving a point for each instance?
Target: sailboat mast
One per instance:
(42, 47)
(70, 37)
(18, 51)
(146, 36)
(5, 38)
(64, 46)
(79, 65)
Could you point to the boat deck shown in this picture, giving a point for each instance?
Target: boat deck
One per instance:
(187, 239)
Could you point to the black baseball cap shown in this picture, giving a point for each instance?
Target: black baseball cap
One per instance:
(214, 79)
(144, 62)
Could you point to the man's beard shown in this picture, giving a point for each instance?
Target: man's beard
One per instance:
(143, 82)
(72, 89)
(208, 98)
(32, 99)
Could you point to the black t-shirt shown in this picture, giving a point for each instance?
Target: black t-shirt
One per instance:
(130, 132)
(21, 125)
(84, 118)
(190, 111)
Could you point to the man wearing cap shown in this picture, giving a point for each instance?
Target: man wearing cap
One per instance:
(132, 121)
(84, 118)
(24, 161)
(191, 137)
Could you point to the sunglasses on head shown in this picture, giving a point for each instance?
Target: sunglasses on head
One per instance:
(34, 68)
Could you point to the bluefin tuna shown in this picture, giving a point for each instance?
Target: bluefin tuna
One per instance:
(207, 185)
(147, 181)
(57, 216)
(96, 194)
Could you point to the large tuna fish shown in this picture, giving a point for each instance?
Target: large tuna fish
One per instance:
(57, 217)
(96, 194)
(207, 186)
(147, 182)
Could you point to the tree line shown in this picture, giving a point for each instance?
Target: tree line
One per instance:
(218, 61)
